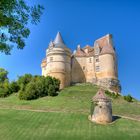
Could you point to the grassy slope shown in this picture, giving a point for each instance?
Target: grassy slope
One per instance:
(68, 121)
(72, 99)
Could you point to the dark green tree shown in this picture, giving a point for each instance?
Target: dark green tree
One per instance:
(25, 79)
(3, 75)
(14, 87)
(15, 15)
(51, 90)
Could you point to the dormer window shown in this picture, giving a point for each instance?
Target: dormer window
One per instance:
(96, 48)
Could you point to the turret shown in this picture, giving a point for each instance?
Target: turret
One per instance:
(58, 63)
(105, 63)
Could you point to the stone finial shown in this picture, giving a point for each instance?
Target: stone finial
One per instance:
(74, 52)
(51, 44)
(78, 46)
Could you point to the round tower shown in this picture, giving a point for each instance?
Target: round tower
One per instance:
(59, 61)
(105, 63)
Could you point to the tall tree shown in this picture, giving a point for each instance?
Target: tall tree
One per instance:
(3, 75)
(15, 15)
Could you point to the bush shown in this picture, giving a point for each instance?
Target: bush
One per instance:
(128, 98)
(5, 89)
(39, 86)
(112, 94)
(3, 93)
(24, 80)
(3, 75)
(51, 91)
(21, 95)
(14, 87)
(30, 92)
(56, 83)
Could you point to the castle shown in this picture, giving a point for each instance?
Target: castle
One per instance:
(95, 64)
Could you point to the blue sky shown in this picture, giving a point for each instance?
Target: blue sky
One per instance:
(82, 22)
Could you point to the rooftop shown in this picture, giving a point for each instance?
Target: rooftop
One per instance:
(58, 39)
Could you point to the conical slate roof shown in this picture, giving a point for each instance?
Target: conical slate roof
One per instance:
(100, 96)
(58, 39)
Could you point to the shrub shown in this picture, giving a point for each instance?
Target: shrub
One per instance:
(29, 93)
(51, 91)
(39, 86)
(14, 87)
(24, 80)
(112, 94)
(3, 75)
(5, 89)
(128, 98)
(21, 95)
(56, 83)
(3, 93)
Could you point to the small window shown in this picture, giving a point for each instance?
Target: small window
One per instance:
(97, 68)
(97, 60)
(51, 59)
(84, 68)
(90, 60)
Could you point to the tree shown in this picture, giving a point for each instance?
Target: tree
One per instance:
(14, 87)
(3, 75)
(51, 90)
(15, 15)
(25, 79)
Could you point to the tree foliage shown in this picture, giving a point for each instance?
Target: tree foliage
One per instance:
(39, 86)
(29, 86)
(112, 94)
(15, 15)
(128, 98)
(25, 79)
(3, 75)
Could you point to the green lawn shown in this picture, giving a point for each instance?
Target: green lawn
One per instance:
(65, 117)
(28, 125)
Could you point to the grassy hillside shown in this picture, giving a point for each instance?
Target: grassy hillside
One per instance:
(72, 99)
(65, 117)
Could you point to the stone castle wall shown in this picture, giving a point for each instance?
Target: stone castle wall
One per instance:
(97, 66)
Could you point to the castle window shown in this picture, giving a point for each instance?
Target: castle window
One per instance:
(84, 67)
(97, 60)
(51, 59)
(90, 60)
(97, 68)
